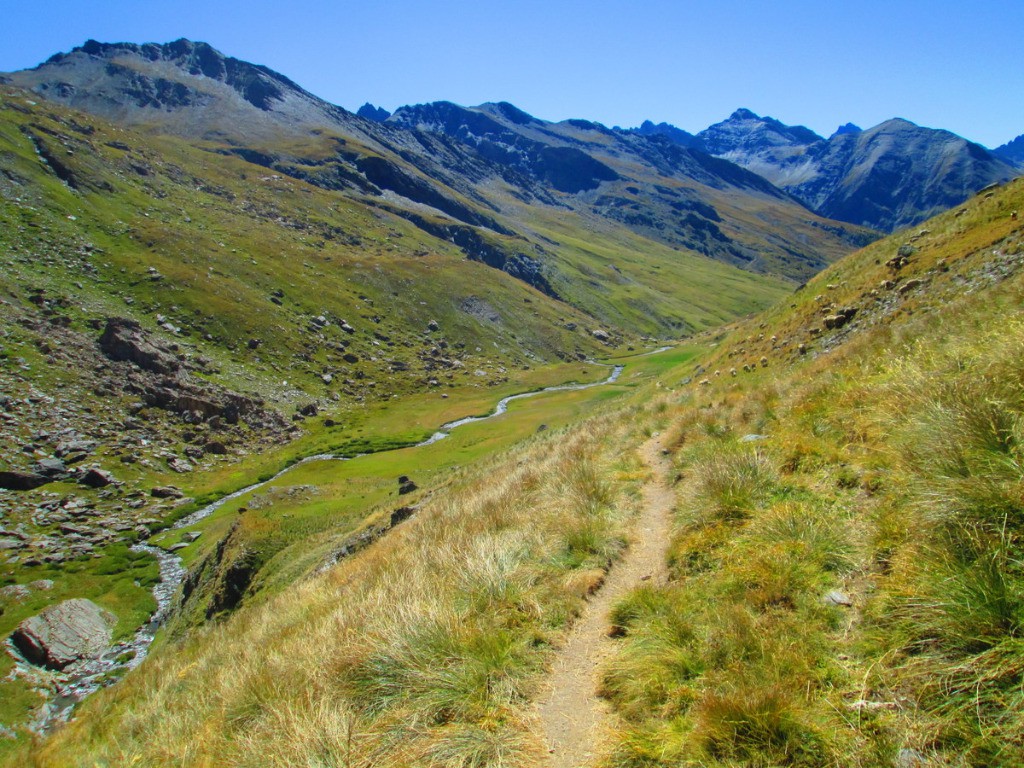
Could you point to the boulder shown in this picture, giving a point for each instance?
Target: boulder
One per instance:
(64, 633)
(166, 492)
(17, 480)
(405, 485)
(124, 339)
(96, 478)
(601, 335)
(51, 468)
(177, 464)
(68, 447)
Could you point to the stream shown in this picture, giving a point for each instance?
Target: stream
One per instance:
(70, 687)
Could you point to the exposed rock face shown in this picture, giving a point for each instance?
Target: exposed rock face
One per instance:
(64, 633)
(124, 339)
(566, 168)
(676, 135)
(163, 382)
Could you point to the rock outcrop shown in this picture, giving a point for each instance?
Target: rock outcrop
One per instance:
(65, 633)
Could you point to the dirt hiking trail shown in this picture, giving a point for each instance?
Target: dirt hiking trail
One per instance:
(572, 717)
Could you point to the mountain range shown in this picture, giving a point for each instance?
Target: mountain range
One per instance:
(887, 177)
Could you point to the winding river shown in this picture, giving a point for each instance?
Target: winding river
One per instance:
(91, 675)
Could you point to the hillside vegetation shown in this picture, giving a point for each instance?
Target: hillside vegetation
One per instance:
(847, 577)
(846, 582)
(277, 319)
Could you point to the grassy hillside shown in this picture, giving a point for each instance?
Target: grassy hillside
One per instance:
(845, 585)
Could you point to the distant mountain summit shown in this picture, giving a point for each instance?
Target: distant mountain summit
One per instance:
(847, 128)
(678, 135)
(1012, 151)
(189, 88)
(745, 134)
(370, 112)
(890, 176)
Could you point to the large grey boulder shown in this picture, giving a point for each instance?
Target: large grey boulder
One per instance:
(64, 633)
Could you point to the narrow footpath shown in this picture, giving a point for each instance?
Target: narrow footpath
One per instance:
(573, 718)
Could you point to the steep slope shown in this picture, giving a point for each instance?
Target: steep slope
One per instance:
(887, 177)
(441, 156)
(845, 567)
(678, 196)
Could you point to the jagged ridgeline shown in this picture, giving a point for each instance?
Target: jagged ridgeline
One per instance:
(891, 176)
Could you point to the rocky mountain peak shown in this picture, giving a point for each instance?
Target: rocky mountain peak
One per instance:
(743, 114)
(1012, 151)
(745, 131)
(370, 112)
(848, 128)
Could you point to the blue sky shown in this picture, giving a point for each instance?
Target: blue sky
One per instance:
(942, 64)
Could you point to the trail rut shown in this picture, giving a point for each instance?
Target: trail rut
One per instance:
(572, 717)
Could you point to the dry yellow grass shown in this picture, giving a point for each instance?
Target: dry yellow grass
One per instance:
(422, 650)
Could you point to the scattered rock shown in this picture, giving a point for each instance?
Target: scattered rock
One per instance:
(166, 492)
(835, 597)
(64, 633)
(179, 465)
(840, 318)
(910, 285)
(752, 438)
(97, 478)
